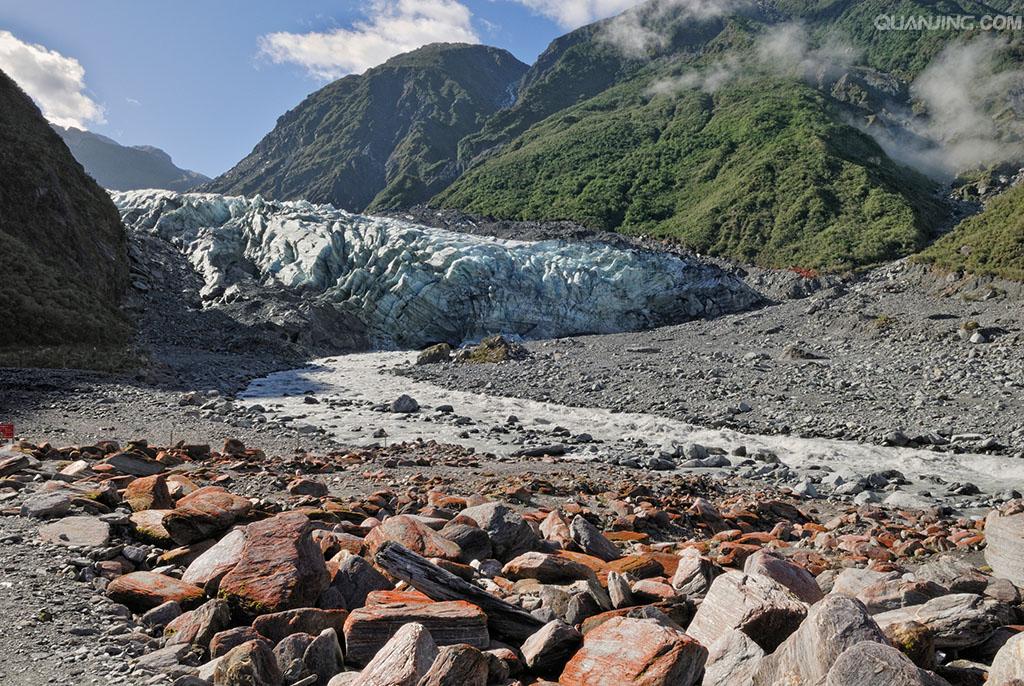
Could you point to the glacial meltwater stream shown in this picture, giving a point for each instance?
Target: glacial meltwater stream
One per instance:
(367, 380)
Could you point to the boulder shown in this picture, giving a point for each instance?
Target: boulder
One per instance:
(1009, 662)
(851, 581)
(355, 578)
(45, 505)
(547, 651)
(545, 568)
(555, 529)
(250, 664)
(1004, 546)
(308, 487)
(142, 591)
(458, 665)
(199, 626)
(304, 620)
(414, 535)
(875, 664)
(794, 577)
(883, 596)
(405, 404)
(640, 652)
(958, 620)
(473, 541)
(591, 541)
(435, 354)
(280, 567)
(149, 526)
(80, 531)
(134, 464)
(367, 629)
(225, 640)
(732, 659)
(833, 625)
(323, 658)
(288, 654)
(694, 573)
(758, 606)
(403, 660)
(914, 640)
(148, 493)
(510, 534)
(217, 561)
(204, 513)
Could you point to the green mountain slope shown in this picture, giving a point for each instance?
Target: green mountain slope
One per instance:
(63, 252)
(382, 139)
(990, 243)
(761, 170)
(124, 168)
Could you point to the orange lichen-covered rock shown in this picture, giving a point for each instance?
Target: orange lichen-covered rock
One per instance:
(641, 652)
(142, 591)
(203, 513)
(280, 567)
(148, 493)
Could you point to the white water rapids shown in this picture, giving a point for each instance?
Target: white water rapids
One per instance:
(365, 377)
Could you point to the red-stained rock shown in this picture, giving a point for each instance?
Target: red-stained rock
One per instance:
(204, 513)
(148, 493)
(306, 620)
(142, 591)
(200, 625)
(280, 568)
(792, 576)
(149, 526)
(546, 568)
(640, 652)
(758, 606)
(555, 529)
(225, 640)
(300, 486)
(369, 628)
(414, 535)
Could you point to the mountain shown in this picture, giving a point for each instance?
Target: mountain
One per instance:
(124, 168)
(783, 133)
(63, 251)
(383, 139)
(990, 243)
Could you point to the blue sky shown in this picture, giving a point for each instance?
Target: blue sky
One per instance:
(206, 80)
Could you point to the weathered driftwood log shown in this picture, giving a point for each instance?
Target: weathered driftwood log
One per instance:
(504, 620)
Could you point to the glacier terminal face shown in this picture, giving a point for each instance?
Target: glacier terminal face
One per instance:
(413, 285)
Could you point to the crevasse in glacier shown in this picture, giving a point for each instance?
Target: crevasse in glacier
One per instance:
(413, 285)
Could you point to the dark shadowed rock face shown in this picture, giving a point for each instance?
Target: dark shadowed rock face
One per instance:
(63, 252)
(385, 138)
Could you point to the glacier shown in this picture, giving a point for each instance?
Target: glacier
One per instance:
(412, 285)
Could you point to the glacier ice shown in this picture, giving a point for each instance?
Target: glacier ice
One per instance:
(413, 285)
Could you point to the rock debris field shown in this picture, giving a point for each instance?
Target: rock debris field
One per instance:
(421, 564)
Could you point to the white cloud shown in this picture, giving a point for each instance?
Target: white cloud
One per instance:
(390, 28)
(55, 82)
(573, 13)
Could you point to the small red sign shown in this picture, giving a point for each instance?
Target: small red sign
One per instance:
(7, 431)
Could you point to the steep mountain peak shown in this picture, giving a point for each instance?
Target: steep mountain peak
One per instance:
(385, 138)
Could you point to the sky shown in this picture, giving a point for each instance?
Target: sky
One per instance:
(206, 79)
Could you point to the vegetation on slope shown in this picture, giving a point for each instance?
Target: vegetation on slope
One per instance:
(386, 138)
(63, 252)
(988, 244)
(125, 168)
(761, 170)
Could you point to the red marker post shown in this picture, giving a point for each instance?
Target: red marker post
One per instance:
(6, 432)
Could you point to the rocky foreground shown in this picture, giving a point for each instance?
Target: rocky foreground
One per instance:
(419, 565)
